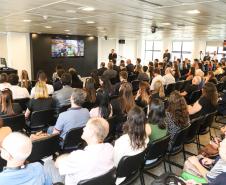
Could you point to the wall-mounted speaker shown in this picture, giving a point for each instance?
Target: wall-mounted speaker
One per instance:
(121, 41)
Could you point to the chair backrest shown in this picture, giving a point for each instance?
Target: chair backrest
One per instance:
(130, 165)
(169, 88)
(105, 179)
(44, 147)
(42, 118)
(194, 96)
(157, 148)
(194, 128)
(16, 123)
(22, 102)
(209, 118)
(135, 85)
(220, 87)
(186, 83)
(179, 85)
(73, 139)
(180, 137)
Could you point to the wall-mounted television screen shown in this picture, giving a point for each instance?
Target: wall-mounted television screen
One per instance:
(67, 48)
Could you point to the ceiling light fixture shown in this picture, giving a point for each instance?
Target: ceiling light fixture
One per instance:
(48, 27)
(193, 11)
(27, 20)
(67, 30)
(166, 23)
(70, 11)
(90, 22)
(88, 9)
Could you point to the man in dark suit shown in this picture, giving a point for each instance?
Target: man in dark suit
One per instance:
(129, 67)
(110, 73)
(112, 56)
(166, 56)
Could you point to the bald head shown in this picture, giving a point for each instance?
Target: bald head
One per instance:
(17, 145)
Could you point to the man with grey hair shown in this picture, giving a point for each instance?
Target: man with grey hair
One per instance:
(96, 158)
(74, 117)
(193, 87)
(15, 149)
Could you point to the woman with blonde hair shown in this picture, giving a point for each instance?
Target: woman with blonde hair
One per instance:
(143, 94)
(41, 100)
(158, 91)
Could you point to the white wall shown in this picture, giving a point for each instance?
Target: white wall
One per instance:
(18, 51)
(3, 45)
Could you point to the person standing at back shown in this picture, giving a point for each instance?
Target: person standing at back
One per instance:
(166, 56)
(112, 55)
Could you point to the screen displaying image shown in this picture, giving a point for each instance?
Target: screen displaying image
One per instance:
(67, 48)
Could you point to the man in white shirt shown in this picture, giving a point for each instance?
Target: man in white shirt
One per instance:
(42, 77)
(4, 82)
(157, 77)
(169, 78)
(18, 92)
(95, 160)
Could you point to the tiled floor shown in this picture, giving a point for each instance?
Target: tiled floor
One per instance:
(204, 139)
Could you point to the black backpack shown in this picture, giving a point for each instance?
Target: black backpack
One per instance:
(168, 179)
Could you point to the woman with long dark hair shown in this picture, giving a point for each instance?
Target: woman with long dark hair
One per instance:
(177, 116)
(106, 85)
(90, 90)
(7, 107)
(135, 137)
(103, 108)
(156, 119)
(207, 103)
(125, 101)
(143, 96)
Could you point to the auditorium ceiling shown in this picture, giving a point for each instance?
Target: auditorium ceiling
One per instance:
(178, 19)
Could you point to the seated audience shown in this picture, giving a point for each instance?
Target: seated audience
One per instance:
(24, 80)
(169, 78)
(41, 77)
(122, 65)
(145, 69)
(57, 84)
(157, 77)
(191, 73)
(4, 82)
(102, 68)
(94, 160)
(129, 67)
(143, 96)
(105, 84)
(74, 117)
(95, 76)
(62, 97)
(135, 137)
(207, 102)
(158, 91)
(123, 77)
(142, 76)
(200, 73)
(76, 81)
(211, 78)
(219, 69)
(90, 90)
(176, 116)
(125, 101)
(4, 131)
(41, 100)
(110, 73)
(218, 164)
(7, 107)
(15, 149)
(156, 117)
(192, 87)
(176, 71)
(18, 92)
(103, 107)
(221, 106)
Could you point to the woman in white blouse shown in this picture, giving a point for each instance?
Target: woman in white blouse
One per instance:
(135, 138)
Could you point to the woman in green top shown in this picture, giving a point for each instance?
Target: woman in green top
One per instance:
(156, 118)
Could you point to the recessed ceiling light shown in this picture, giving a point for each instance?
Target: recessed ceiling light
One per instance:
(88, 9)
(27, 20)
(67, 30)
(88, 34)
(70, 11)
(69, 33)
(48, 27)
(166, 23)
(100, 28)
(103, 31)
(193, 11)
(206, 31)
(90, 22)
